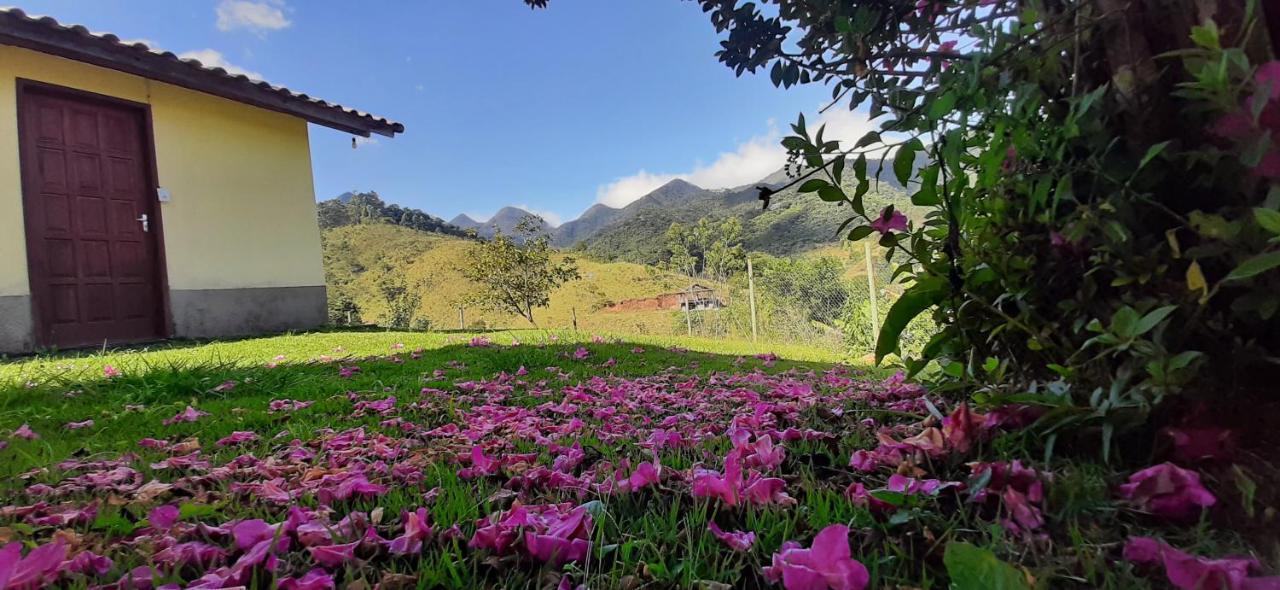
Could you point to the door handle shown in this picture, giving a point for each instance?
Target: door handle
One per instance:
(146, 222)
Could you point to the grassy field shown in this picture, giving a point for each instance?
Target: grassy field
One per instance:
(530, 460)
(358, 257)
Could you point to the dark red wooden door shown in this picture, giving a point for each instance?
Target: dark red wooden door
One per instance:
(93, 256)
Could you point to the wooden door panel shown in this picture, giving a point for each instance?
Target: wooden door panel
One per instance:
(95, 272)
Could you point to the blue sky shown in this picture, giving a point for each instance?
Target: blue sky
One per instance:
(553, 110)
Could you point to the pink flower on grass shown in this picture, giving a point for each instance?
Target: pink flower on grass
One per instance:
(237, 437)
(827, 565)
(1190, 572)
(110, 372)
(225, 386)
(416, 530)
(1202, 443)
(1168, 491)
(480, 342)
(332, 556)
(79, 425)
(316, 579)
(890, 221)
(581, 353)
(188, 415)
(348, 372)
(163, 517)
(87, 563)
(736, 540)
(734, 489)
(26, 433)
(37, 570)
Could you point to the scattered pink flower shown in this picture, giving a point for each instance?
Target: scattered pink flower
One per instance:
(26, 433)
(1201, 443)
(237, 437)
(316, 579)
(188, 415)
(110, 372)
(1190, 572)
(163, 517)
(225, 386)
(79, 425)
(348, 372)
(37, 570)
(827, 565)
(332, 556)
(581, 353)
(1168, 491)
(736, 540)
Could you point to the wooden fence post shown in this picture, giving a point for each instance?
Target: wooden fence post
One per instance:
(871, 290)
(751, 294)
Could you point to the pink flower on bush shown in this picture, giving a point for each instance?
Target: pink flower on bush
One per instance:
(1190, 572)
(827, 565)
(890, 221)
(1240, 125)
(736, 540)
(1168, 491)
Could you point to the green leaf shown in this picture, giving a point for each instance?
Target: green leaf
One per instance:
(915, 300)
(1152, 152)
(976, 568)
(904, 161)
(1255, 266)
(1124, 322)
(867, 139)
(813, 185)
(1153, 318)
(859, 233)
(189, 510)
(831, 194)
(942, 105)
(1268, 219)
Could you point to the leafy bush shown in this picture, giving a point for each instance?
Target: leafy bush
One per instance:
(1102, 207)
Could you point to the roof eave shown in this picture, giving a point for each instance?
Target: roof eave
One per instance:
(108, 52)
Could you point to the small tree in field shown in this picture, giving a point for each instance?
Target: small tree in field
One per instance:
(516, 274)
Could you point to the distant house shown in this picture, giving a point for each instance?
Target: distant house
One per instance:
(698, 297)
(695, 297)
(143, 196)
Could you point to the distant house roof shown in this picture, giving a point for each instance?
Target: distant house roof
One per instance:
(46, 35)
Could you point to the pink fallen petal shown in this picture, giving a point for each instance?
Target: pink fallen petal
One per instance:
(332, 556)
(736, 540)
(1168, 491)
(316, 579)
(826, 565)
(188, 415)
(26, 433)
(163, 517)
(1190, 572)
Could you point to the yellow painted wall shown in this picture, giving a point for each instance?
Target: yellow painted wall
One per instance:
(243, 209)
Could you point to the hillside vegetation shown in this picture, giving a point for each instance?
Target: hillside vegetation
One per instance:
(794, 223)
(360, 260)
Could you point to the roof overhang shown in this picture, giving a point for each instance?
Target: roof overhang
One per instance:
(46, 35)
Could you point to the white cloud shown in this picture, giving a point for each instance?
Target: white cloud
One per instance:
(257, 17)
(212, 58)
(750, 161)
(551, 217)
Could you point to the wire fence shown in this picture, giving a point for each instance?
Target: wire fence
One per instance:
(833, 300)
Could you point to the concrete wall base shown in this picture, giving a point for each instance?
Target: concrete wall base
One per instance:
(17, 324)
(221, 313)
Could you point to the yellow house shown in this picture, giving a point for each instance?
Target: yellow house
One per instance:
(143, 196)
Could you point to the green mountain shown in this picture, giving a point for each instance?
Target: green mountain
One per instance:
(358, 208)
(792, 224)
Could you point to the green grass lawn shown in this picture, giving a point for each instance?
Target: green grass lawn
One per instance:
(562, 416)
